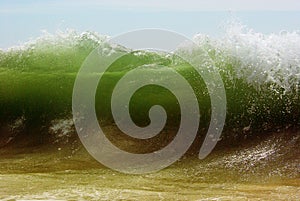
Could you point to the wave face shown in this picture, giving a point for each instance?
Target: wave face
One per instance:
(261, 74)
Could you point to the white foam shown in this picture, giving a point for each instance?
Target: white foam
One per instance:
(258, 58)
(67, 38)
(62, 129)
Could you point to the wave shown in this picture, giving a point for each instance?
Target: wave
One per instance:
(261, 74)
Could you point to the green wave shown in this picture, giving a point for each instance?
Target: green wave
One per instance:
(36, 81)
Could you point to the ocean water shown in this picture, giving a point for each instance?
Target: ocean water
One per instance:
(257, 155)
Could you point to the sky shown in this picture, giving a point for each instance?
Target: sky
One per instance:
(21, 21)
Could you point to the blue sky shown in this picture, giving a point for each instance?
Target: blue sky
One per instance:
(22, 20)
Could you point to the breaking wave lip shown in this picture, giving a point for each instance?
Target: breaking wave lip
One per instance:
(257, 58)
(66, 39)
